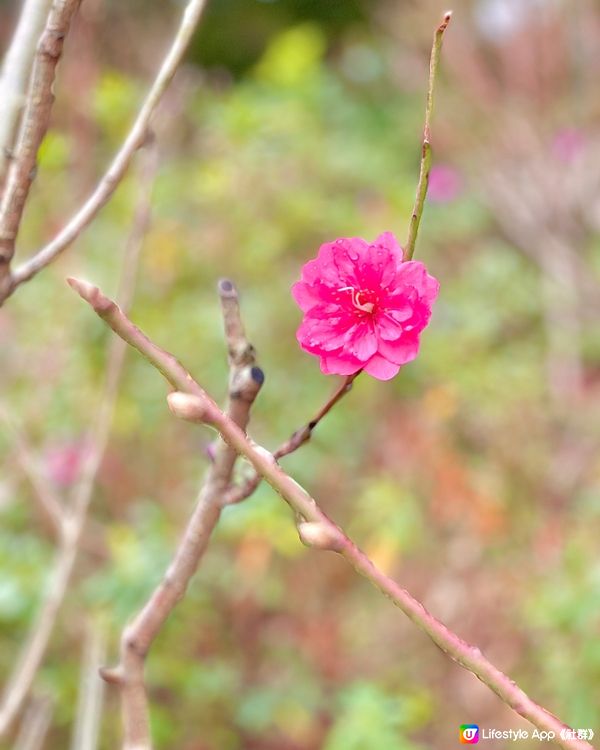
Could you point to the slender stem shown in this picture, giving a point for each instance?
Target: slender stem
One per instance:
(295, 441)
(118, 168)
(16, 69)
(35, 123)
(316, 529)
(304, 434)
(426, 148)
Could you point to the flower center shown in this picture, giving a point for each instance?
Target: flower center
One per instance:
(361, 299)
(362, 302)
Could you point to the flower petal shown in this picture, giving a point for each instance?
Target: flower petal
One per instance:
(362, 342)
(389, 241)
(399, 352)
(306, 296)
(334, 365)
(413, 273)
(381, 368)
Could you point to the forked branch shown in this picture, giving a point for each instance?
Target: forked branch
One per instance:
(115, 172)
(192, 403)
(245, 380)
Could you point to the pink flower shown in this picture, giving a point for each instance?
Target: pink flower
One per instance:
(364, 307)
(568, 144)
(64, 462)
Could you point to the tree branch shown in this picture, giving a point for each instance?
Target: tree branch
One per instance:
(245, 380)
(316, 529)
(16, 69)
(426, 149)
(117, 169)
(36, 119)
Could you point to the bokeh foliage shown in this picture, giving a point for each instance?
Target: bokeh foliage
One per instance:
(442, 475)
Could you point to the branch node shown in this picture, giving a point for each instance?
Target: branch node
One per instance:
(112, 675)
(321, 535)
(257, 375)
(191, 408)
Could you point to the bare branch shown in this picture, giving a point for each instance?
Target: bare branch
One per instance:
(316, 529)
(74, 517)
(118, 168)
(426, 149)
(245, 380)
(36, 119)
(16, 69)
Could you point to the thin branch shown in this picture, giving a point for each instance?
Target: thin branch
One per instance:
(304, 434)
(75, 515)
(91, 691)
(16, 69)
(245, 377)
(36, 119)
(116, 171)
(315, 530)
(47, 499)
(295, 441)
(245, 380)
(426, 148)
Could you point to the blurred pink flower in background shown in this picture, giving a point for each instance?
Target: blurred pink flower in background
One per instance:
(568, 144)
(364, 307)
(64, 462)
(445, 184)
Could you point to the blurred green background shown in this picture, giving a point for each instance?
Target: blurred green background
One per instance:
(473, 477)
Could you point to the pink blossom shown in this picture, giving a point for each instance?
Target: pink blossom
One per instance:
(568, 144)
(64, 462)
(364, 307)
(445, 184)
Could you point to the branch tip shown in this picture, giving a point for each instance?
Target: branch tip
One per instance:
(83, 288)
(227, 288)
(425, 167)
(92, 295)
(112, 675)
